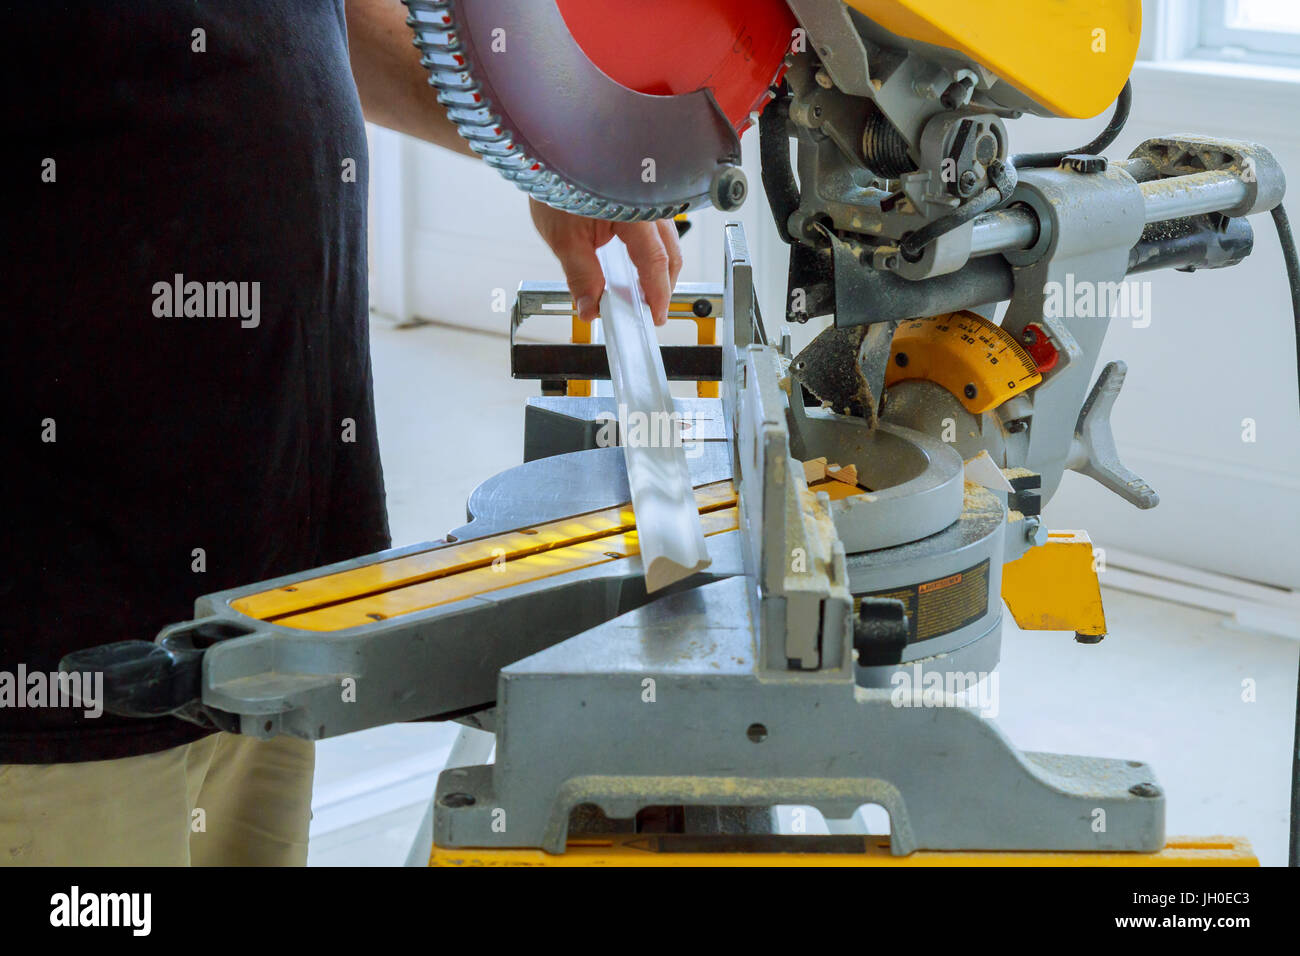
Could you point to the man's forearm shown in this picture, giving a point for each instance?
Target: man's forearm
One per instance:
(394, 87)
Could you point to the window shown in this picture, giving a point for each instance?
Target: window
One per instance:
(1264, 31)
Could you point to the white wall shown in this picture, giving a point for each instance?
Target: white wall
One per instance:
(447, 233)
(1220, 349)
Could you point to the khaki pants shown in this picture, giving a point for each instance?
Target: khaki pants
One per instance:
(225, 800)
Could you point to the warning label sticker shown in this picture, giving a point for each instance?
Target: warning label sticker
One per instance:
(941, 606)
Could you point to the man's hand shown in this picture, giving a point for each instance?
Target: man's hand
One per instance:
(652, 246)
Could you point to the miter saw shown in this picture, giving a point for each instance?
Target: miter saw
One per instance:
(636, 726)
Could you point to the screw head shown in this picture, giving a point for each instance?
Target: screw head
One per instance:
(1035, 532)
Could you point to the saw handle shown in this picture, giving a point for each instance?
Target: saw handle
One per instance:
(154, 679)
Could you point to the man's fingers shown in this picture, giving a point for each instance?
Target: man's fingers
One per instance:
(668, 233)
(574, 240)
(652, 247)
(645, 246)
(582, 273)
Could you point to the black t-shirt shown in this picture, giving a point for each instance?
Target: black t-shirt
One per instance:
(160, 446)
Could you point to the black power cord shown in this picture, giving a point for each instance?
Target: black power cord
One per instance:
(1004, 180)
(1123, 105)
(774, 161)
(1287, 241)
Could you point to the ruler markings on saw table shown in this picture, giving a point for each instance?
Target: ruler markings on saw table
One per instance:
(478, 580)
(371, 579)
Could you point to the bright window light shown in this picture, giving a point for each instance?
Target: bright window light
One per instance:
(1272, 15)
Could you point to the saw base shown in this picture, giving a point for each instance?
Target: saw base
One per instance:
(638, 849)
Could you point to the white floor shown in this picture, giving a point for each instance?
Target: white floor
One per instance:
(1166, 686)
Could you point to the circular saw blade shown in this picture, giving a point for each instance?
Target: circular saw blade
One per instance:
(528, 98)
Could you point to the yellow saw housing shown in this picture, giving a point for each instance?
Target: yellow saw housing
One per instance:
(1071, 58)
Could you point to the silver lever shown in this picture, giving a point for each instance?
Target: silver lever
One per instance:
(1094, 453)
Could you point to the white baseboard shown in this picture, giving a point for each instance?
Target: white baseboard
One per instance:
(1249, 605)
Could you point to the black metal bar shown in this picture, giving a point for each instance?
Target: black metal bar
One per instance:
(865, 295)
(562, 361)
(1196, 242)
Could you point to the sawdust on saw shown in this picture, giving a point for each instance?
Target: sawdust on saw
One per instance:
(828, 367)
